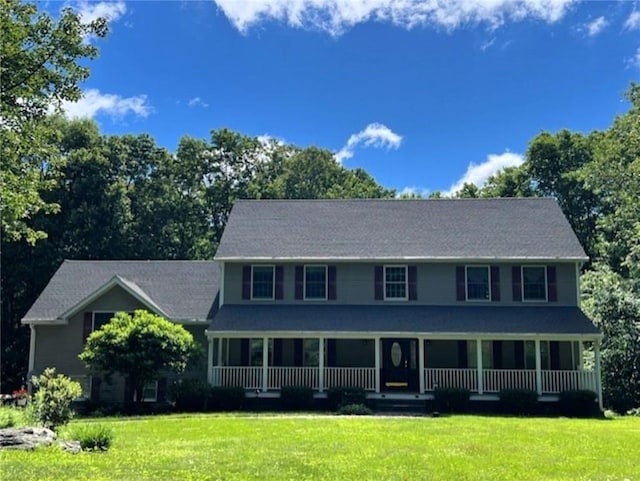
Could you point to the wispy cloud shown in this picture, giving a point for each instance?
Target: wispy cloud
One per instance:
(413, 191)
(634, 60)
(337, 16)
(90, 11)
(197, 102)
(479, 173)
(94, 102)
(595, 27)
(487, 44)
(633, 21)
(374, 135)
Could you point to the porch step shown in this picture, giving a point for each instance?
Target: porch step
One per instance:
(398, 406)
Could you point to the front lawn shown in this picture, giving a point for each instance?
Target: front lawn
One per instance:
(227, 447)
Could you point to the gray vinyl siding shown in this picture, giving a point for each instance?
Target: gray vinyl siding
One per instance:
(436, 284)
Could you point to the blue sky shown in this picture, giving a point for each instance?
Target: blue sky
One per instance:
(422, 94)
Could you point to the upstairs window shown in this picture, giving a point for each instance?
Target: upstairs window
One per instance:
(534, 283)
(315, 283)
(478, 287)
(395, 283)
(100, 319)
(262, 282)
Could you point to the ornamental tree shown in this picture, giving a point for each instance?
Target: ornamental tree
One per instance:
(139, 347)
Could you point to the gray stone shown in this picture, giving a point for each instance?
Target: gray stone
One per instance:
(26, 438)
(72, 447)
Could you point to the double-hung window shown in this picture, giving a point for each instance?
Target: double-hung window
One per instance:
(262, 283)
(534, 283)
(478, 285)
(395, 283)
(100, 319)
(315, 283)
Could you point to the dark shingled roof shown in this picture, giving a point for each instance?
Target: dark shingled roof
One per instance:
(404, 319)
(532, 228)
(184, 290)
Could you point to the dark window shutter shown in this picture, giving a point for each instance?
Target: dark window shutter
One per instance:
(497, 354)
(246, 282)
(297, 352)
(277, 352)
(279, 283)
(460, 284)
(554, 354)
(413, 282)
(95, 388)
(245, 355)
(463, 361)
(495, 283)
(162, 389)
(516, 283)
(331, 352)
(87, 325)
(299, 282)
(378, 283)
(332, 295)
(519, 354)
(552, 290)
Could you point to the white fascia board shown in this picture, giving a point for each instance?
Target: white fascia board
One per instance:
(44, 322)
(402, 258)
(130, 287)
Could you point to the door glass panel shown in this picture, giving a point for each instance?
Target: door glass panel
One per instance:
(396, 354)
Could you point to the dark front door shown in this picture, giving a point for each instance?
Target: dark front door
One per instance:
(399, 365)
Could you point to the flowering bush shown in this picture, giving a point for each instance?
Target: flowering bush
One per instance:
(21, 393)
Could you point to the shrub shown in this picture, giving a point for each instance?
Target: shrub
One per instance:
(340, 396)
(634, 412)
(451, 400)
(225, 398)
(189, 395)
(93, 437)
(14, 417)
(518, 401)
(355, 410)
(296, 398)
(53, 398)
(578, 403)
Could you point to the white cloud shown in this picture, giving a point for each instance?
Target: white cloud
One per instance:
(634, 61)
(90, 11)
(633, 22)
(374, 135)
(479, 173)
(94, 102)
(487, 44)
(337, 16)
(595, 27)
(197, 102)
(412, 191)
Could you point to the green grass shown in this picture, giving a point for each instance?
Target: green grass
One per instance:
(225, 447)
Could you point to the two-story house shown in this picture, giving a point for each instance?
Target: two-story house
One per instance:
(398, 297)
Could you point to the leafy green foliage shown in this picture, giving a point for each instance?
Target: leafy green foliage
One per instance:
(11, 416)
(92, 436)
(139, 347)
(339, 396)
(355, 410)
(189, 395)
(578, 403)
(296, 398)
(451, 400)
(518, 401)
(53, 397)
(225, 398)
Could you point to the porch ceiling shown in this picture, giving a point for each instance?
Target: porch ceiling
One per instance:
(410, 319)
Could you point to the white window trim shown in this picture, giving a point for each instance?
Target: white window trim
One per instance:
(546, 286)
(466, 283)
(273, 283)
(406, 282)
(326, 283)
(148, 399)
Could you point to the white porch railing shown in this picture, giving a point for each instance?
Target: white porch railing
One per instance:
(558, 381)
(496, 379)
(249, 377)
(293, 376)
(364, 377)
(450, 377)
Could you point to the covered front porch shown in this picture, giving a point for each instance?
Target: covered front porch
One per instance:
(403, 365)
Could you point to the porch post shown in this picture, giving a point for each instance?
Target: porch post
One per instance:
(479, 364)
(210, 361)
(597, 372)
(220, 351)
(421, 363)
(538, 368)
(377, 363)
(321, 364)
(581, 356)
(265, 364)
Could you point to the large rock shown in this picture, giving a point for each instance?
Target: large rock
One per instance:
(26, 438)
